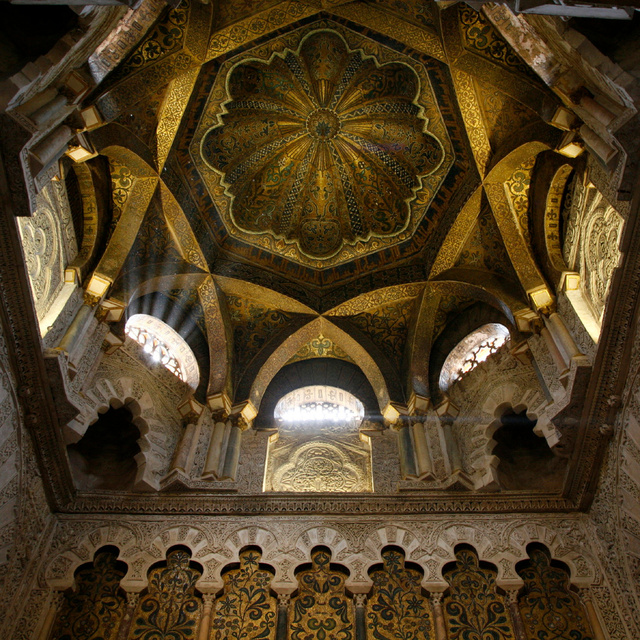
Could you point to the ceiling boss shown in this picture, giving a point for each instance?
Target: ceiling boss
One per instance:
(322, 147)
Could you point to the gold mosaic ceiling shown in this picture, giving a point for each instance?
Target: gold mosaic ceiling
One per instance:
(307, 161)
(320, 148)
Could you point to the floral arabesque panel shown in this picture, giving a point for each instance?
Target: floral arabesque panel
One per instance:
(396, 607)
(94, 610)
(549, 610)
(246, 610)
(321, 610)
(473, 608)
(170, 610)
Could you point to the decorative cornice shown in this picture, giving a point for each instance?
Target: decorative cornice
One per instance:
(209, 503)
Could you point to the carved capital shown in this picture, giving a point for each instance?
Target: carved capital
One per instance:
(585, 595)
(57, 599)
(239, 420)
(360, 599)
(90, 299)
(208, 600)
(436, 599)
(284, 599)
(132, 600)
(511, 596)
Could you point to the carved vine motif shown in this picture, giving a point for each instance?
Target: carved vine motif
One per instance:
(246, 610)
(321, 609)
(473, 608)
(396, 607)
(170, 609)
(95, 609)
(602, 255)
(320, 466)
(549, 610)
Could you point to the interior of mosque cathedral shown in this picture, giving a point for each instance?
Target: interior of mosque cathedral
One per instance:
(319, 319)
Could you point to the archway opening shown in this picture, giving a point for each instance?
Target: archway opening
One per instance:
(105, 457)
(526, 461)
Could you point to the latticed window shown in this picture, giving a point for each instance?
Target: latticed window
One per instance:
(471, 351)
(157, 349)
(165, 346)
(319, 406)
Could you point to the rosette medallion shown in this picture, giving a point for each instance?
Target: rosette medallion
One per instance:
(322, 146)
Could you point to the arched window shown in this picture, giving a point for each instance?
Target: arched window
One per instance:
(319, 407)
(165, 346)
(471, 351)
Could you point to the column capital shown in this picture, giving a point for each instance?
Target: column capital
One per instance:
(133, 597)
(585, 594)
(208, 599)
(284, 599)
(360, 599)
(436, 598)
(190, 410)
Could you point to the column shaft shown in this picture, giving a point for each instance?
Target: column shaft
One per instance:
(50, 618)
(230, 467)
(359, 602)
(592, 614)
(212, 463)
(76, 328)
(407, 458)
(181, 457)
(205, 622)
(452, 447)
(438, 616)
(516, 616)
(561, 335)
(558, 359)
(423, 459)
(282, 626)
(127, 619)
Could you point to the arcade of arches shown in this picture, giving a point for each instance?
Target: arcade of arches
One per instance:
(319, 319)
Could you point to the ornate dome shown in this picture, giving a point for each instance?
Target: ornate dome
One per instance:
(322, 146)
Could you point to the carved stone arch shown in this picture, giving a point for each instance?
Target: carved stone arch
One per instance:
(144, 184)
(115, 394)
(572, 550)
(449, 536)
(518, 247)
(551, 176)
(142, 557)
(60, 569)
(91, 181)
(502, 398)
(387, 535)
(250, 536)
(321, 536)
(290, 346)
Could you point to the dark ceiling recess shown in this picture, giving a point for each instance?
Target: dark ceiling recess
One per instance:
(28, 32)
(104, 458)
(526, 461)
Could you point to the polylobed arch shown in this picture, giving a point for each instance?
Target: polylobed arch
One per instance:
(215, 553)
(103, 396)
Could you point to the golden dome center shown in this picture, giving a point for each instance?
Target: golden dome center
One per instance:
(323, 124)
